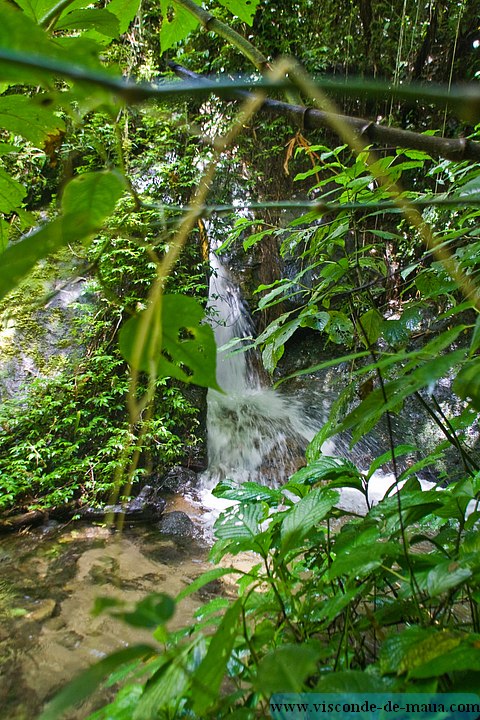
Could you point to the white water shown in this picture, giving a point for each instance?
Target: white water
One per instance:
(254, 432)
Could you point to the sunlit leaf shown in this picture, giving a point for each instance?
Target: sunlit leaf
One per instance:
(184, 348)
(88, 199)
(11, 192)
(26, 116)
(305, 515)
(100, 20)
(244, 9)
(370, 324)
(177, 23)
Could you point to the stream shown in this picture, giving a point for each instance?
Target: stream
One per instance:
(50, 578)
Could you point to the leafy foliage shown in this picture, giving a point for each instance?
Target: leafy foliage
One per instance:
(388, 601)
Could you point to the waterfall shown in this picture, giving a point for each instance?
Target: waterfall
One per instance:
(254, 432)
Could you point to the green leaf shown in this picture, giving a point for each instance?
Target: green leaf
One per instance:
(87, 681)
(102, 21)
(397, 646)
(92, 197)
(87, 201)
(326, 468)
(340, 328)
(243, 9)
(204, 579)
(449, 656)
(467, 383)
(286, 668)
(369, 411)
(11, 192)
(445, 576)
(241, 522)
(155, 609)
(370, 326)
(359, 560)
(164, 688)
(184, 348)
(248, 492)
(349, 681)
(470, 190)
(211, 671)
(125, 10)
(176, 25)
(475, 342)
(305, 515)
(4, 233)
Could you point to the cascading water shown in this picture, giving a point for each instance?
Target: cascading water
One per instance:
(254, 432)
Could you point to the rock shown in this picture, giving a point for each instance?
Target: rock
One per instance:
(43, 611)
(176, 523)
(146, 506)
(177, 479)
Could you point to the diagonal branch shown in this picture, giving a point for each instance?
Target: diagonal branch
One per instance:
(365, 130)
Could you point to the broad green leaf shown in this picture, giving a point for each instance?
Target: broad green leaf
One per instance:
(370, 325)
(85, 683)
(445, 576)
(11, 192)
(26, 116)
(210, 673)
(243, 9)
(93, 196)
(248, 492)
(125, 11)
(448, 656)
(340, 328)
(326, 468)
(241, 522)
(305, 515)
(475, 342)
(349, 681)
(102, 21)
(467, 383)
(397, 646)
(286, 668)
(87, 200)
(177, 23)
(430, 284)
(4, 233)
(360, 560)
(184, 348)
(471, 189)
(155, 609)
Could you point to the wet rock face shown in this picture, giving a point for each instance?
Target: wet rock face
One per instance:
(177, 480)
(176, 523)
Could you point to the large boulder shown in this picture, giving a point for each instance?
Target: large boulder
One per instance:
(176, 523)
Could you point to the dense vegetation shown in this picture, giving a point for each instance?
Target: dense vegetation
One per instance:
(384, 245)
